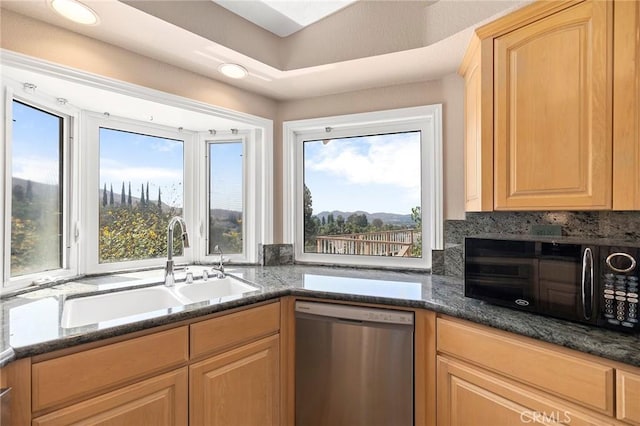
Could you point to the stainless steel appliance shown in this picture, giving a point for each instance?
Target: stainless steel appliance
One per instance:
(594, 283)
(5, 413)
(354, 366)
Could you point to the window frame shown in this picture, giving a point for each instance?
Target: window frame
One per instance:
(426, 119)
(92, 122)
(69, 184)
(251, 222)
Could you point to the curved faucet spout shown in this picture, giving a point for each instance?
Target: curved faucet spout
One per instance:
(169, 279)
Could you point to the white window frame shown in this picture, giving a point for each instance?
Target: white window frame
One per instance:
(426, 119)
(70, 181)
(92, 122)
(260, 149)
(252, 223)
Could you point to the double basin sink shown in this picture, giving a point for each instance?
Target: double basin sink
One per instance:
(82, 311)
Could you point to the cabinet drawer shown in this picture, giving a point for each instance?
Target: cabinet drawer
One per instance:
(628, 396)
(84, 374)
(231, 330)
(157, 401)
(468, 395)
(571, 377)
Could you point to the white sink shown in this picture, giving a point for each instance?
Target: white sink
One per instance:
(104, 307)
(215, 288)
(109, 308)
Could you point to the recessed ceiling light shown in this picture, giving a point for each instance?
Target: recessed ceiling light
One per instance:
(233, 70)
(75, 11)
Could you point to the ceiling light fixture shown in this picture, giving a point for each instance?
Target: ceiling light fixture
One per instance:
(75, 11)
(233, 71)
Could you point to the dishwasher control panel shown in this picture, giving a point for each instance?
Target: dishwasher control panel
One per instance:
(355, 313)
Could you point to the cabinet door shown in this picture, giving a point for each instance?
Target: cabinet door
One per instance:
(238, 387)
(628, 391)
(626, 106)
(470, 396)
(552, 87)
(160, 401)
(478, 126)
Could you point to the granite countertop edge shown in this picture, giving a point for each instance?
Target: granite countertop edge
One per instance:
(607, 344)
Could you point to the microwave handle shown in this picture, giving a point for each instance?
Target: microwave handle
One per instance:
(587, 258)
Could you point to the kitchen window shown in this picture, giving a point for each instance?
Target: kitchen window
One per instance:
(38, 191)
(114, 180)
(364, 189)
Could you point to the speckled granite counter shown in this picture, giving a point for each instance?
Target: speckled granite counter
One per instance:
(31, 322)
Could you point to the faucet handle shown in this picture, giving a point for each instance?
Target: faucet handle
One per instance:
(189, 278)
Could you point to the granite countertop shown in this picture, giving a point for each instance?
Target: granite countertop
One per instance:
(32, 322)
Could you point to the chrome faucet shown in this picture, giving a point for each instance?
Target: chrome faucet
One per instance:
(220, 267)
(169, 279)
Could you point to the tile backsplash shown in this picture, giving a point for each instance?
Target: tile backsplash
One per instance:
(604, 224)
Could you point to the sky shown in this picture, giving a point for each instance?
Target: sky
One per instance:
(379, 173)
(36, 145)
(131, 157)
(225, 178)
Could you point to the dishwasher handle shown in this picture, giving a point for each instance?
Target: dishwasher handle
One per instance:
(355, 313)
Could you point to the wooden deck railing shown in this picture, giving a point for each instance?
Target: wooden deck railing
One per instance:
(381, 243)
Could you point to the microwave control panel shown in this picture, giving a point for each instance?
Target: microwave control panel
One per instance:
(620, 295)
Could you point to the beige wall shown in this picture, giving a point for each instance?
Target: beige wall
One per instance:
(41, 40)
(38, 39)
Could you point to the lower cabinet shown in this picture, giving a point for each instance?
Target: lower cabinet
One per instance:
(238, 387)
(161, 400)
(470, 396)
(628, 392)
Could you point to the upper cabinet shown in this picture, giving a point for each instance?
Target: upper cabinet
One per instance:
(538, 109)
(626, 106)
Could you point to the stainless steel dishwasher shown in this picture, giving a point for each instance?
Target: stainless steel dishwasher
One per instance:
(354, 366)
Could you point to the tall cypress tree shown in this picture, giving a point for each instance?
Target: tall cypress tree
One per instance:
(129, 199)
(147, 194)
(123, 196)
(159, 201)
(142, 202)
(104, 196)
(111, 202)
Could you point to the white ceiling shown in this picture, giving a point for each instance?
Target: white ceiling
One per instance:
(283, 17)
(183, 46)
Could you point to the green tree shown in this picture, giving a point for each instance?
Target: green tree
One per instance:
(416, 216)
(29, 194)
(104, 196)
(129, 202)
(142, 202)
(123, 196)
(147, 194)
(159, 200)
(310, 226)
(377, 223)
(111, 202)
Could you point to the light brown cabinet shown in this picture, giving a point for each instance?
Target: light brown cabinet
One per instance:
(538, 108)
(221, 370)
(471, 396)
(238, 387)
(626, 106)
(488, 376)
(161, 400)
(628, 393)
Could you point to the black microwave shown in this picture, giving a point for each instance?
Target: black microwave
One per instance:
(590, 283)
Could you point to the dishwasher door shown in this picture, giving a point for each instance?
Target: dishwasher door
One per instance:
(354, 366)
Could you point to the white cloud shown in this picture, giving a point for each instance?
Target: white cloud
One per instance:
(394, 161)
(36, 169)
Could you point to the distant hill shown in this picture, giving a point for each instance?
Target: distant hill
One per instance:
(38, 189)
(387, 218)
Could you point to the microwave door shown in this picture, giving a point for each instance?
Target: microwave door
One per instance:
(565, 287)
(504, 281)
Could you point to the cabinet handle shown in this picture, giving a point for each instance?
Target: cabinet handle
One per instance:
(587, 257)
